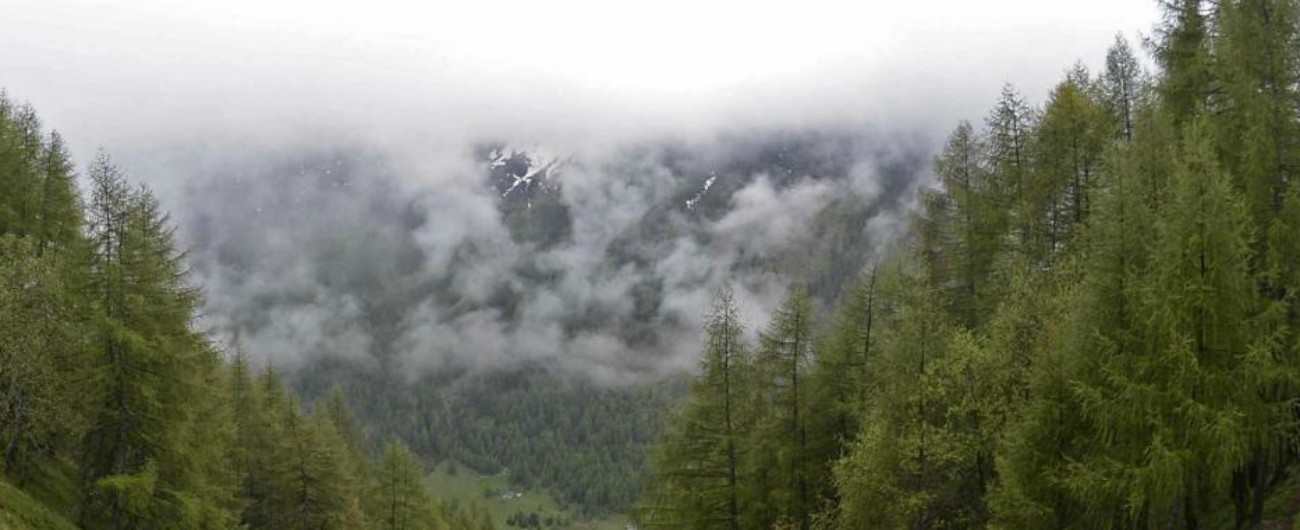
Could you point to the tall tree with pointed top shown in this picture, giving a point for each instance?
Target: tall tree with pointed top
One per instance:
(397, 499)
(698, 482)
(1122, 87)
(781, 438)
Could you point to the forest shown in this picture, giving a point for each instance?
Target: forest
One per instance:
(1091, 324)
(116, 412)
(1092, 320)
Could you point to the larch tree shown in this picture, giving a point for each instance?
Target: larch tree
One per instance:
(41, 345)
(1067, 147)
(142, 460)
(782, 364)
(1009, 130)
(397, 499)
(974, 224)
(1122, 87)
(698, 479)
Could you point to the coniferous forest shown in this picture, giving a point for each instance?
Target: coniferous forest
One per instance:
(1092, 321)
(116, 413)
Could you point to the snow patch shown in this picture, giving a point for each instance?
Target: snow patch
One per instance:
(691, 202)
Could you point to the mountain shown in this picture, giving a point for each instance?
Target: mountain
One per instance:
(510, 315)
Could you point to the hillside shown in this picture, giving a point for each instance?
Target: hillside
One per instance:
(296, 265)
(508, 503)
(1092, 321)
(551, 339)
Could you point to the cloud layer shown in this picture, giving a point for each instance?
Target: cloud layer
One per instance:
(359, 254)
(323, 158)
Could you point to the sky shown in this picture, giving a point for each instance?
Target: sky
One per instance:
(316, 157)
(117, 73)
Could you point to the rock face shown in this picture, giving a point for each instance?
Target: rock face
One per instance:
(531, 204)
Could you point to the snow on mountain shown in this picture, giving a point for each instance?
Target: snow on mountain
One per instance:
(691, 202)
(519, 171)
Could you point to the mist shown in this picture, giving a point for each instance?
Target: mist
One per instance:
(346, 178)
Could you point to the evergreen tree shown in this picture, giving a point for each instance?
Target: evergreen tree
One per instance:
(21, 150)
(1068, 144)
(397, 499)
(60, 216)
(843, 376)
(974, 220)
(1122, 87)
(781, 438)
(1009, 131)
(338, 415)
(887, 480)
(698, 468)
(1181, 48)
(41, 348)
(1044, 428)
(142, 461)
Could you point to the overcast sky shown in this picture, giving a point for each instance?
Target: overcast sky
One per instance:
(120, 73)
(225, 107)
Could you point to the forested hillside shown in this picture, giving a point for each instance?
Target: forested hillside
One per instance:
(1090, 318)
(584, 443)
(536, 314)
(116, 413)
(1093, 323)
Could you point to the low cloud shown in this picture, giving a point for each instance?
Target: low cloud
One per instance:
(363, 255)
(323, 159)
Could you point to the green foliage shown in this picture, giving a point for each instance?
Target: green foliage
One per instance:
(145, 414)
(1068, 143)
(397, 499)
(20, 511)
(584, 442)
(116, 412)
(698, 476)
(962, 225)
(41, 343)
(1094, 324)
(1123, 87)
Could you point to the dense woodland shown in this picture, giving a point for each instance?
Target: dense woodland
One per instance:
(115, 413)
(584, 443)
(1093, 323)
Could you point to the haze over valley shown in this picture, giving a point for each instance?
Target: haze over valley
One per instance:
(577, 264)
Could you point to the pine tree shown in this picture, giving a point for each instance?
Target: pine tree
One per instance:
(1067, 147)
(137, 466)
(40, 193)
(1044, 434)
(1181, 47)
(260, 420)
(1182, 399)
(843, 375)
(245, 414)
(889, 478)
(1122, 87)
(336, 412)
(698, 479)
(782, 365)
(974, 222)
(397, 499)
(21, 149)
(41, 348)
(60, 216)
(1009, 130)
(309, 475)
